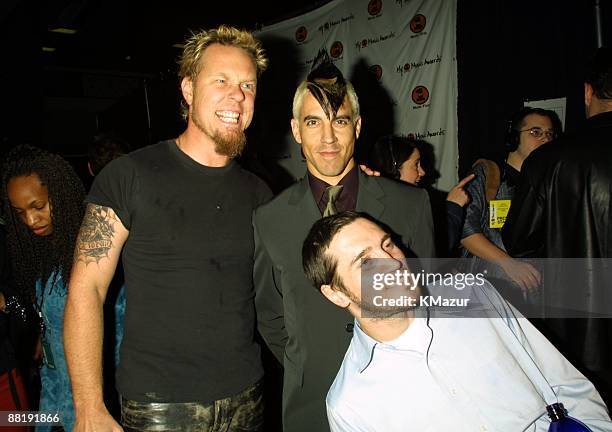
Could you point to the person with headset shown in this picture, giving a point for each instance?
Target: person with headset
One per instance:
(399, 158)
(491, 192)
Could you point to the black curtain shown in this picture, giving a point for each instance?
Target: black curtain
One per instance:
(512, 51)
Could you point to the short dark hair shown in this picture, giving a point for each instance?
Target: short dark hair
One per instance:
(319, 267)
(599, 73)
(517, 122)
(103, 149)
(389, 153)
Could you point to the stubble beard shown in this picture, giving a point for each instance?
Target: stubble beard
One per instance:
(230, 144)
(368, 310)
(332, 170)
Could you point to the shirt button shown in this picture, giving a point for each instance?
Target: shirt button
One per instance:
(349, 327)
(483, 428)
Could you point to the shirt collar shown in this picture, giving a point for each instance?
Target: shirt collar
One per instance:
(511, 175)
(601, 119)
(415, 338)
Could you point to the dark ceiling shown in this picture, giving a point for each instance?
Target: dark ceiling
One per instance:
(124, 35)
(57, 90)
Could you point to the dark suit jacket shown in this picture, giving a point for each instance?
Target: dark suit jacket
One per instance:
(306, 332)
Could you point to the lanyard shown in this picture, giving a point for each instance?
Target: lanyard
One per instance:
(38, 305)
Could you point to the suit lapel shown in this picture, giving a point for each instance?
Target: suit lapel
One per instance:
(302, 199)
(369, 196)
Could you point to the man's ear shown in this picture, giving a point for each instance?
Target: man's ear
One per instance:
(336, 297)
(295, 128)
(187, 90)
(357, 127)
(588, 94)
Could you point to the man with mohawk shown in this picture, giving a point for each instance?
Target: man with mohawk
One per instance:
(304, 331)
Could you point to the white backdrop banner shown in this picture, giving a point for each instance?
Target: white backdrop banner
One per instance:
(408, 45)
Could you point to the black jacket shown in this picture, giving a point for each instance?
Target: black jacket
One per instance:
(562, 205)
(562, 209)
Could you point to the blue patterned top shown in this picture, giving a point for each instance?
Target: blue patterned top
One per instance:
(55, 393)
(477, 216)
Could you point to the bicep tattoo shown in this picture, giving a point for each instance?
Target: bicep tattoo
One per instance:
(95, 238)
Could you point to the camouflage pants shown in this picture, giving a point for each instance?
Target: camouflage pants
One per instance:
(239, 413)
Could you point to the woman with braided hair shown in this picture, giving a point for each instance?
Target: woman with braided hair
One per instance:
(42, 199)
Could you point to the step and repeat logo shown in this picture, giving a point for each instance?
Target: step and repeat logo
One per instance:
(420, 96)
(336, 49)
(301, 34)
(328, 25)
(374, 8)
(367, 42)
(426, 134)
(404, 69)
(412, 65)
(417, 25)
(377, 71)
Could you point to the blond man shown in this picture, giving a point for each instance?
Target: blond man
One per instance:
(181, 212)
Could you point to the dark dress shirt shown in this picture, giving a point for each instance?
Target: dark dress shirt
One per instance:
(347, 198)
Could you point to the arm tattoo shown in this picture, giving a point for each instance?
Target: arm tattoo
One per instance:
(96, 235)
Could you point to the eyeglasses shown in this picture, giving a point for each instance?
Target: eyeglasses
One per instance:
(538, 132)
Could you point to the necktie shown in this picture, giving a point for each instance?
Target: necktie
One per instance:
(332, 195)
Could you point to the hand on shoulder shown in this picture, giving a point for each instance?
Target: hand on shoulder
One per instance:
(369, 171)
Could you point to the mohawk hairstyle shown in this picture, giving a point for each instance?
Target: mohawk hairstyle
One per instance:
(37, 258)
(327, 84)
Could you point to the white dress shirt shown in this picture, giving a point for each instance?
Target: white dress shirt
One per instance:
(480, 374)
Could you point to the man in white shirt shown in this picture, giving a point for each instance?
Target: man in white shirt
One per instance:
(407, 370)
